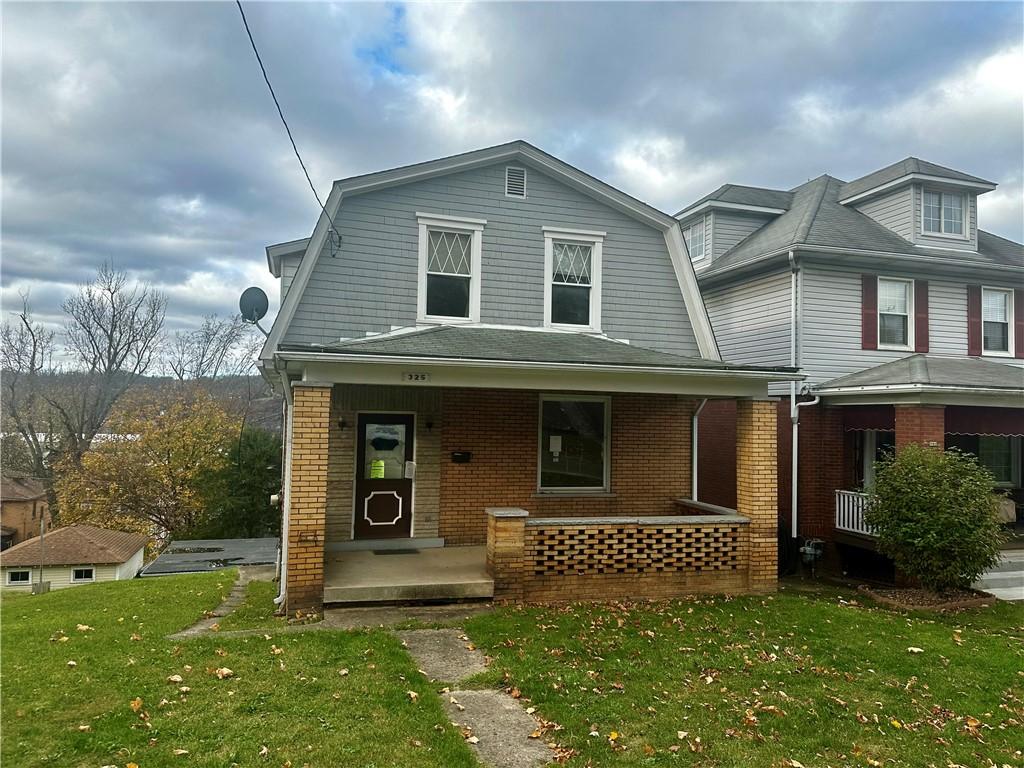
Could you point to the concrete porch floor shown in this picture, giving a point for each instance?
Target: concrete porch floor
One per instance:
(441, 573)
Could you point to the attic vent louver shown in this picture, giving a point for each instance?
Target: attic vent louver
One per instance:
(515, 182)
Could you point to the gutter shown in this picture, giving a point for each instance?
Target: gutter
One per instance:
(794, 414)
(282, 570)
(936, 389)
(771, 374)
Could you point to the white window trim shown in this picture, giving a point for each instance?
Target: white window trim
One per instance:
(1010, 317)
(19, 583)
(965, 203)
(472, 227)
(518, 168)
(83, 581)
(909, 346)
(587, 237)
(571, 397)
(703, 221)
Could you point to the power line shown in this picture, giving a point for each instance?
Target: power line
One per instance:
(280, 113)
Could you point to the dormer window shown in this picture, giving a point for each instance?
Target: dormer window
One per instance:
(450, 254)
(943, 213)
(694, 236)
(572, 278)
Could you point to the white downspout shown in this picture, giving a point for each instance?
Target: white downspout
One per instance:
(694, 424)
(794, 417)
(282, 592)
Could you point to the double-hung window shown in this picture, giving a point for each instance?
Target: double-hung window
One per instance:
(996, 314)
(573, 443)
(694, 236)
(83, 574)
(19, 577)
(450, 251)
(943, 213)
(572, 278)
(895, 306)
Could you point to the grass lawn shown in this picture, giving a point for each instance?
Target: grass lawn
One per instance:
(285, 694)
(794, 679)
(257, 610)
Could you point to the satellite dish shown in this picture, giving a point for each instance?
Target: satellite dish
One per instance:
(253, 304)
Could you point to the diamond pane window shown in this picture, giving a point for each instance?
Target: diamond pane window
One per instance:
(449, 253)
(894, 312)
(995, 315)
(571, 283)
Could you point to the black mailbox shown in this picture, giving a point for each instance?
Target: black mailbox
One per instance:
(461, 457)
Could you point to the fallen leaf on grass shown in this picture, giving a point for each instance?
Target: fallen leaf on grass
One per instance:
(343, 672)
(915, 649)
(180, 752)
(264, 751)
(413, 696)
(175, 679)
(84, 628)
(85, 728)
(136, 704)
(223, 672)
(473, 740)
(72, 664)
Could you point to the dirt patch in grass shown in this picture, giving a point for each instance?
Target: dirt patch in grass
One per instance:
(916, 599)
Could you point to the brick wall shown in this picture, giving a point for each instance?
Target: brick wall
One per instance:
(924, 424)
(757, 487)
(650, 459)
(310, 415)
(716, 453)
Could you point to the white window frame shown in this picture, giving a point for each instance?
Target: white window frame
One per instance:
(596, 242)
(75, 580)
(964, 202)
(26, 583)
(1010, 309)
(910, 313)
(472, 227)
(571, 397)
(703, 240)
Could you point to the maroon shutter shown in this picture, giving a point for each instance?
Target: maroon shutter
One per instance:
(869, 312)
(974, 320)
(920, 315)
(1018, 323)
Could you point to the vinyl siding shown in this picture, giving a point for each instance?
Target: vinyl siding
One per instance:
(830, 322)
(751, 320)
(729, 229)
(893, 210)
(920, 238)
(370, 284)
(131, 568)
(59, 576)
(289, 266)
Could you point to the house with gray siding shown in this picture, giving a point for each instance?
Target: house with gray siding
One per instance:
(492, 364)
(905, 317)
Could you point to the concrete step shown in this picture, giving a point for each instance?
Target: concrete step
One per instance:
(1012, 594)
(1000, 579)
(397, 592)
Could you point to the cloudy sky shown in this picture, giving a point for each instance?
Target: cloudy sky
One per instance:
(144, 134)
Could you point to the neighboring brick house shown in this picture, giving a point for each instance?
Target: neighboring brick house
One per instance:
(72, 556)
(906, 318)
(23, 509)
(499, 331)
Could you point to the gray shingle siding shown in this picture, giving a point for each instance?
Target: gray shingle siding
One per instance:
(371, 283)
(730, 229)
(893, 210)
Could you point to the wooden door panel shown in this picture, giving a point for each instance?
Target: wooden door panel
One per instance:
(384, 495)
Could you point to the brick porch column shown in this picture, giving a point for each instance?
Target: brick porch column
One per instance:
(310, 422)
(506, 540)
(757, 488)
(924, 424)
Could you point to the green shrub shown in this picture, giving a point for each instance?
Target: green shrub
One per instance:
(935, 515)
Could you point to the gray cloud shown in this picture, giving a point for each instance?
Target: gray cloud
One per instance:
(142, 133)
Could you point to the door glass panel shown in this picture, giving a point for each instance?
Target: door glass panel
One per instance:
(385, 452)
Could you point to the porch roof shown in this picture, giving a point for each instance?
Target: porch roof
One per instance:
(930, 378)
(514, 345)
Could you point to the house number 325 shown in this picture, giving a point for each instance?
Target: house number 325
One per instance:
(416, 378)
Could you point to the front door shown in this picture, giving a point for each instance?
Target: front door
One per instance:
(384, 476)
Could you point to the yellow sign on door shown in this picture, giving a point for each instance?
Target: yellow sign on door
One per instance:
(377, 469)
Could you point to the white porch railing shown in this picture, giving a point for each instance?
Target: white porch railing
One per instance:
(850, 513)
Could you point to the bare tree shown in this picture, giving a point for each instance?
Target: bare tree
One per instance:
(219, 347)
(26, 360)
(112, 335)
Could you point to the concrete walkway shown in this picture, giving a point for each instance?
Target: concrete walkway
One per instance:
(493, 723)
(235, 598)
(1006, 580)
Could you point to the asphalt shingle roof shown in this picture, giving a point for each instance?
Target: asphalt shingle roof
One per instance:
(76, 545)
(21, 488)
(475, 343)
(936, 371)
(744, 195)
(816, 218)
(904, 168)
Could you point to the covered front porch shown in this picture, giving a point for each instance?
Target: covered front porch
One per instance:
(393, 461)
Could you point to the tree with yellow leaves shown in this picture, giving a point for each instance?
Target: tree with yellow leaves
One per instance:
(155, 470)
